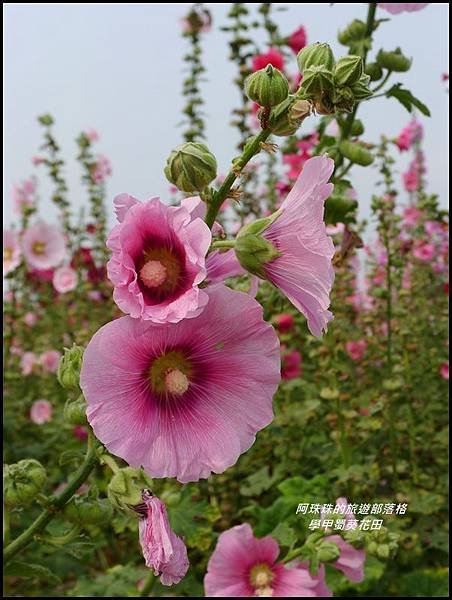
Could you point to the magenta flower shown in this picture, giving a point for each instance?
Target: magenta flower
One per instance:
(244, 566)
(43, 246)
(291, 365)
(272, 57)
(158, 260)
(163, 550)
(411, 216)
(101, 170)
(284, 322)
(424, 252)
(41, 412)
(64, 280)
(396, 9)
(410, 134)
(356, 350)
(298, 39)
(27, 361)
(171, 397)
(444, 370)
(11, 251)
(49, 360)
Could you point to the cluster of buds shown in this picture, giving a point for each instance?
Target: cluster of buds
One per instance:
(331, 86)
(22, 481)
(69, 368)
(380, 543)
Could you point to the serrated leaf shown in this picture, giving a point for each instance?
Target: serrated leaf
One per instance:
(406, 98)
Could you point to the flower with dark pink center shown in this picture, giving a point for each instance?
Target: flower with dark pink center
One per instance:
(43, 246)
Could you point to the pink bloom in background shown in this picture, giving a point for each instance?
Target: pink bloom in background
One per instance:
(101, 170)
(410, 134)
(37, 160)
(50, 360)
(444, 370)
(24, 195)
(92, 135)
(298, 39)
(272, 57)
(411, 216)
(244, 566)
(284, 322)
(27, 362)
(30, 319)
(411, 180)
(303, 271)
(41, 412)
(356, 349)
(396, 9)
(158, 259)
(170, 397)
(11, 251)
(43, 246)
(432, 228)
(291, 365)
(94, 295)
(80, 432)
(424, 252)
(64, 280)
(163, 550)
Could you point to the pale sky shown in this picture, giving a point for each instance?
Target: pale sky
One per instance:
(118, 68)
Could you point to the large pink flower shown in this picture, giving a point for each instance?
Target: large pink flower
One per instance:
(163, 550)
(186, 399)
(243, 566)
(11, 251)
(158, 260)
(396, 9)
(43, 246)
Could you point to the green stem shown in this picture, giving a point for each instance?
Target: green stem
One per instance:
(149, 584)
(385, 79)
(55, 503)
(223, 244)
(110, 462)
(251, 149)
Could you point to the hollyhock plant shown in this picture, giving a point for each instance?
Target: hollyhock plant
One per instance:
(244, 566)
(298, 248)
(298, 39)
(11, 251)
(101, 170)
(396, 9)
(158, 260)
(24, 195)
(49, 360)
(411, 216)
(64, 279)
(41, 412)
(424, 251)
(356, 350)
(163, 550)
(272, 57)
(170, 397)
(43, 246)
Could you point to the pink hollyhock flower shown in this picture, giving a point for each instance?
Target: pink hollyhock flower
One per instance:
(298, 39)
(158, 260)
(433, 228)
(11, 251)
(30, 319)
(43, 246)
(170, 397)
(291, 365)
(411, 180)
(92, 135)
(396, 9)
(356, 349)
(37, 160)
(41, 412)
(410, 134)
(303, 270)
(424, 252)
(272, 57)
(284, 322)
(244, 566)
(295, 163)
(64, 280)
(163, 550)
(411, 216)
(27, 362)
(24, 195)
(101, 170)
(444, 370)
(221, 265)
(50, 360)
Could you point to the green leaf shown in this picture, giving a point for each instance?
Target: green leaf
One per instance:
(406, 98)
(22, 569)
(258, 482)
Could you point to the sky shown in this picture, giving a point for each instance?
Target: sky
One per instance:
(118, 68)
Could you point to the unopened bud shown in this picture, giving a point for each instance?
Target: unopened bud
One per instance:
(357, 128)
(348, 69)
(316, 80)
(287, 118)
(344, 99)
(75, 411)
(374, 71)
(393, 61)
(88, 511)
(353, 32)
(361, 89)
(191, 167)
(356, 153)
(124, 489)
(327, 552)
(69, 367)
(267, 87)
(315, 55)
(22, 481)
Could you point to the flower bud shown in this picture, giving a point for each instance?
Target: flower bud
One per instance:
(344, 99)
(191, 167)
(327, 552)
(393, 61)
(356, 30)
(75, 411)
(315, 81)
(361, 89)
(22, 481)
(124, 489)
(374, 71)
(348, 69)
(267, 87)
(315, 55)
(287, 118)
(88, 511)
(68, 373)
(356, 153)
(252, 250)
(357, 128)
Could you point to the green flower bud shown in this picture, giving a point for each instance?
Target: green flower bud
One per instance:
(46, 119)
(88, 511)
(383, 551)
(356, 153)
(287, 118)
(75, 411)
(22, 481)
(267, 87)
(344, 99)
(327, 552)
(353, 32)
(374, 71)
(315, 55)
(348, 69)
(191, 167)
(69, 367)
(357, 128)
(361, 89)
(393, 61)
(252, 250)
(316, 80)
(124, 489)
